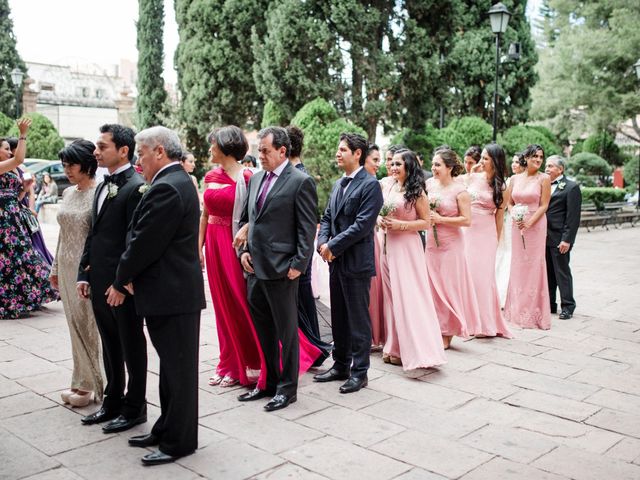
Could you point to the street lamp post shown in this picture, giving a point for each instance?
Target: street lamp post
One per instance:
(16, 78)
(499, 16)
(636, 67)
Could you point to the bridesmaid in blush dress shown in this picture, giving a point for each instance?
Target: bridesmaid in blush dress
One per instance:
(527, 303)
(448, 273)
(413, 333)
(488, 202)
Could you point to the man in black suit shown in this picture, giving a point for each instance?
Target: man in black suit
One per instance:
(346, 241)
(281, 212)
(121, 329)
(161, 269)
(563, 220)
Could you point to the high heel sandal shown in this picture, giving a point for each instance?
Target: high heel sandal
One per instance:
(215, 380)
(67, 394)
(395, 360)
(386, 358)
(81, 399)
(228, 381)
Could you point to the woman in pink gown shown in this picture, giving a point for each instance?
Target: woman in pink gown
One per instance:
(448, 273)
(411, 323)
(527, 303)
(488, 202)
(240, 353)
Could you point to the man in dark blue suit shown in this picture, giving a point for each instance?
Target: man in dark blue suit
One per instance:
(346, 242)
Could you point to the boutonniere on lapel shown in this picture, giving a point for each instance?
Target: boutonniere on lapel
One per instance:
(561, 185)
(143, 188)
(112, 190)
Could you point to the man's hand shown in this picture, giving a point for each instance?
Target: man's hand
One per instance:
(247, 264)
(83, 289)
(325, 253)
(114, 297)
(293, 273)
(53, 280)
(564, 247)
(129, 288)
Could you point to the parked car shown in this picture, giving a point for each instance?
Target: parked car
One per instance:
(53, 168)
(30, 163)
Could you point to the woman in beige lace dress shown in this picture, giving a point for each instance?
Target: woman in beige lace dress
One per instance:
(74, 217)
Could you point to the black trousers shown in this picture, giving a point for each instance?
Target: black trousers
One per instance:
(123, 343)
(274, 311)
(559, 277)
(176, 339)
(350, 323)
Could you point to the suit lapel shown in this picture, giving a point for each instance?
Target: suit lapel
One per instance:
(350, 189)
(277, 186)
(253, 193)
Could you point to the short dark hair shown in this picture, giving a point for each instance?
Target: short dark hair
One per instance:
(296, 137)
(474, 152)
(372, 146)
(80, 152)
(251, 159)
(13, 143)
(230, 140)
(122, 136)
(280, 138)
(396, 148)
(532, 150)
(356, 142)
(185, 154)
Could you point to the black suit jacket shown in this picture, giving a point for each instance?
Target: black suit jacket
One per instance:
(281, 234)
(162, 258)
(347, 227)
(107, 237)
(563, 214)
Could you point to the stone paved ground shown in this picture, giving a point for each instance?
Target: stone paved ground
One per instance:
(547, 405)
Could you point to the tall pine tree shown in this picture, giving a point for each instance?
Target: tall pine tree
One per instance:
(152, 97)
(9, 59)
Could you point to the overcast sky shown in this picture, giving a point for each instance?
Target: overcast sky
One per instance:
(72, 32)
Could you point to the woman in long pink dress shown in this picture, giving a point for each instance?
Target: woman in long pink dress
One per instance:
(449, 277)
(413, 332)
(527, 303)
(488, 201)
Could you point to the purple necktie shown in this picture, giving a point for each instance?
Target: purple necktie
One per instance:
(265, 190)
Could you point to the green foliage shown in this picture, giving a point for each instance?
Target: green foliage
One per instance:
(577, 147)
(601, 195)
(5, 124)
(517, 138)
(603, 144)
(152, 97)
(322, 128)
(423, 141)
(43, 139)
(9, 59)
(631, 171)
(272, 114)
(464, 132)
(589, 164)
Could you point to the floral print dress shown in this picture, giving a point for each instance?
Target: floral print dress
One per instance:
(24, 275)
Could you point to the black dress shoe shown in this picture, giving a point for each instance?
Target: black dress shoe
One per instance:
(354, 384)
(565, 315)
(331, 375)
(100, 416)
(122, 423)
(148, 440)
(280, 401)
(157, 458)
(255, 394)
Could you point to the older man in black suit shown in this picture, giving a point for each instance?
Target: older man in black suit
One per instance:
(563, 220)
(346, 241)
(161, 269)
(281, 213)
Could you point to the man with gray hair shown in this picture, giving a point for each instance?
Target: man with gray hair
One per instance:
(563, 220)
(161, 269)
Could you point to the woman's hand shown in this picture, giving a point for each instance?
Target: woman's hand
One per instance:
(53, 280)
(524, 224)
(23, 126)
(476, 168)
(390, 223)
(240, 240)
(436, 218)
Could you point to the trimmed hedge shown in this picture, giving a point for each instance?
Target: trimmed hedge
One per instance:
(601, 195)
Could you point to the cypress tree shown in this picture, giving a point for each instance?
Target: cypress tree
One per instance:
(152, 96)
(9, 59)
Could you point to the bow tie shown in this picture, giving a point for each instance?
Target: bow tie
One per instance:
(116, 178)
(555, 182)
(344, 181)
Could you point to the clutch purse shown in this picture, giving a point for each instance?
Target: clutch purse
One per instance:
(29, 220)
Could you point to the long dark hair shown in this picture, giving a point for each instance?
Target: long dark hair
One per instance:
(414, 183)
(496, 153)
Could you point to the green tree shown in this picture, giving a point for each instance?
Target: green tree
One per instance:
(590, 164)
(518, 137)
(9, 59)
(631, 171)
(152, 97)
(322, 128)
(43, 141)
(272, 114)
(464, 132)
(423, 141)
(5, 124)
(604, 145)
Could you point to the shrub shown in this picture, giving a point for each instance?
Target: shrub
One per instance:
(272, 114)
(590, 164)
(423, 141)
(461, 133)
(518, 137)
(631, 172)
(603, 144)
(5, 124)
(316, 110)
(44, 140)
(601, 195)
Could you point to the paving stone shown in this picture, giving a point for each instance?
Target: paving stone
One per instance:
(209, 404)
(621, 422)
(329, 393)
(337, 459)
(555, 427)
(556, 386)
(9, 387)
(288, 471)
(600, 343)
(255, 426)
(482, 387)
(497, 413)
(55, 381)
(305, 405)
(616, 400)
(627, 449)
(11, 330)
(531, 364)
(618, 356)
(9, 353)
(21, 403)
(24, 367)
(493, 371)
(562, 407)
(510, 443)
(515, 346)
(586, 346)
(582, 465)
(432, 453)
(19, 459)
(595, 440)
(462, 361)
(499, 468)
(52, 347)
(59, 473)
(581, 360)
(621, 382)
(355, 427)
(419, 474)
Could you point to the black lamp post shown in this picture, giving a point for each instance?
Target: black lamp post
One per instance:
(499, 17)
(636, 67)
(16, 78)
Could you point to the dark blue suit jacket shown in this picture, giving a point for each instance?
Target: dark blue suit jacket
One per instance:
(347, 227)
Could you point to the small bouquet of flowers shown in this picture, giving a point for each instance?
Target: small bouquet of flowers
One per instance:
(387, 209)
(434, 203)
(519, 211)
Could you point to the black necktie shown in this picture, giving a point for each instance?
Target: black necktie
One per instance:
(344, 181)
